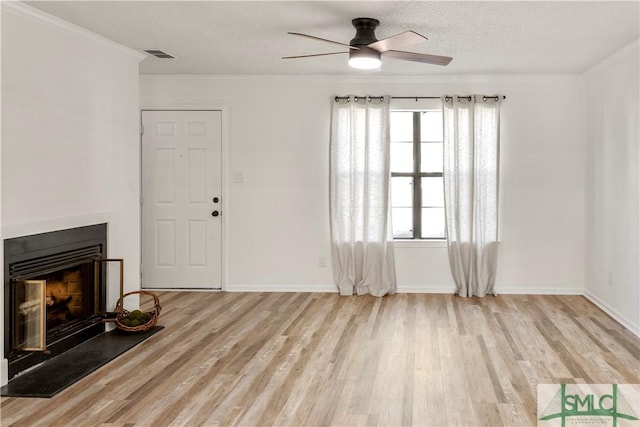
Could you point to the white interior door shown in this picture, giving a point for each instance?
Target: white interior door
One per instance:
(181, 199)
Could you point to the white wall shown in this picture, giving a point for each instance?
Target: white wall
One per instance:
(70, 142)
(613, 186)
(278, 220)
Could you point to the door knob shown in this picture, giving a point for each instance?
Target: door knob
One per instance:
(215, 213)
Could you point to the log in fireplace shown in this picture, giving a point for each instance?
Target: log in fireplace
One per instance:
(54, 293)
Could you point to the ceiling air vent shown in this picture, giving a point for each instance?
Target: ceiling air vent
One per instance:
(158, 53)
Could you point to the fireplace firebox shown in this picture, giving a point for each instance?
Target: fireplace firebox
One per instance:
(54, 293)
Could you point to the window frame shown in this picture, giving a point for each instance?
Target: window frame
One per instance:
(417, 176)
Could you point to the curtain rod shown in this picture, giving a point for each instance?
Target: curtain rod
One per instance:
(337, 98)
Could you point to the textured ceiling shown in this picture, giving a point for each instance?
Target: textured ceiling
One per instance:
(238, 37)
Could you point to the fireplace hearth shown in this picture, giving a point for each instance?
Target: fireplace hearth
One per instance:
(54, 293)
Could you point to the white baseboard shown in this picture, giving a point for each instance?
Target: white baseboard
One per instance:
(281, 288)
(615, 314)
(181, 289)
(537, 290)
(531, 290)
(403, 289)
(333, 289)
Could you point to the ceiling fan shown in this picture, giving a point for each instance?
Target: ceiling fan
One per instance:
(365, 49)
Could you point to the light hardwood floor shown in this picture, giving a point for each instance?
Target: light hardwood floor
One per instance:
(305, 359)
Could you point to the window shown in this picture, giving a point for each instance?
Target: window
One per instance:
(417, 191)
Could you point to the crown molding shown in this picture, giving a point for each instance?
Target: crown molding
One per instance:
(364, 79)
(37, 16)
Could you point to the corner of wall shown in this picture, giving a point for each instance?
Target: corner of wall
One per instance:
(631, 325)
(604, 64)
(612, 206)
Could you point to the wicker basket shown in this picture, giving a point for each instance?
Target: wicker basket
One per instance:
(121, 313)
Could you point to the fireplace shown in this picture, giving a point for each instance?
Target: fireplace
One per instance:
(54, 293)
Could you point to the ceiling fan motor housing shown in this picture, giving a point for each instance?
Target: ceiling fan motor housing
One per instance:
(365, 31)
(364, 57)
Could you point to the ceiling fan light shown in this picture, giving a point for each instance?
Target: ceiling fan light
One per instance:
(364, 59)
(364, 63)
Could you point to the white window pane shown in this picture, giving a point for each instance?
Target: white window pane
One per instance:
(401, 126)
(431, 126)
(401, 157)
(432, 192)
(433, 223)
(431, 157)
(402, 223)
(401, 192)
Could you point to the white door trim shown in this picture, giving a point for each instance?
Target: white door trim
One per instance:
(224, 109)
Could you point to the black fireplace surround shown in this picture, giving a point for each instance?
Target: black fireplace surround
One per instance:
(72, 253)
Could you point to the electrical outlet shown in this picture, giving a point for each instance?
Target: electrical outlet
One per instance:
(323, 262)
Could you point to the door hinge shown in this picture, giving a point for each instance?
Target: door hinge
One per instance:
(141, 129)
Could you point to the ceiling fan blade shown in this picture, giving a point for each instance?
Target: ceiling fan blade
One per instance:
(316, 54)
(408, 38)
(323, 40)
(418, 57)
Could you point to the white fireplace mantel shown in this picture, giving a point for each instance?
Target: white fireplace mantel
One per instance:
(19, 229)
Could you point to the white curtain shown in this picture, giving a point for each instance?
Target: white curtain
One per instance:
(471, 154)
(361, 240)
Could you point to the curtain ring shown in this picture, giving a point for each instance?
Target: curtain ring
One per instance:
(484, 99)
(355, 99)
(382, 99)
(368, 98)
(337, 99)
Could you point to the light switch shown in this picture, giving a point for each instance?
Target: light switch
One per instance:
(238, 176)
